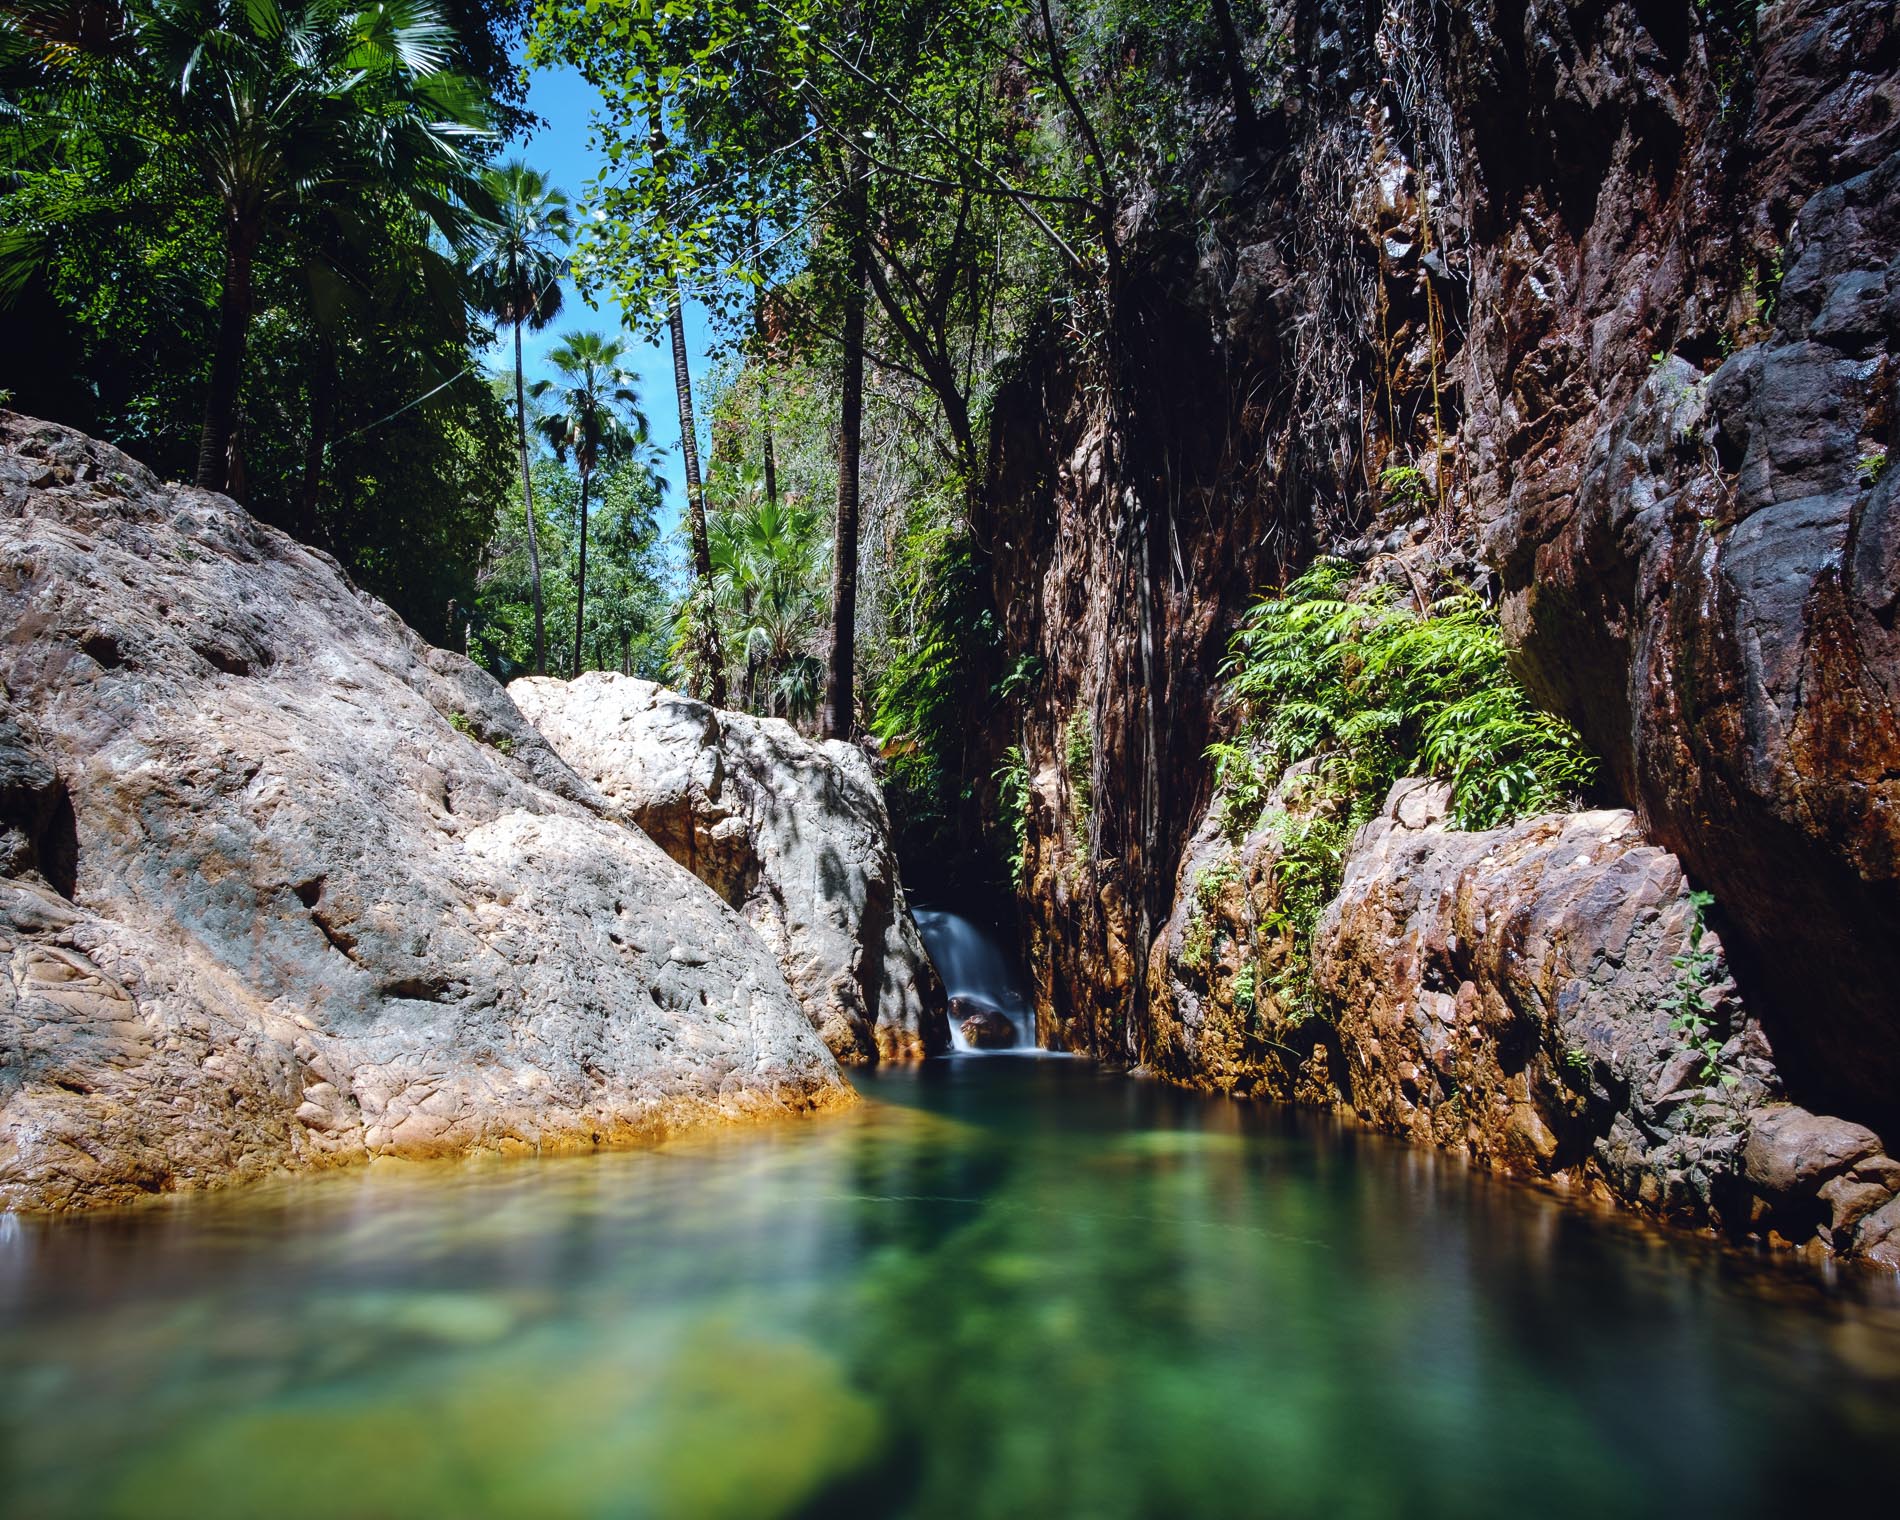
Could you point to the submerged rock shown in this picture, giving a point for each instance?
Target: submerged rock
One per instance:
(288, 887)
(790, 831)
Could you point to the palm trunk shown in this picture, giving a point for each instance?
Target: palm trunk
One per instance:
(527, 505)
(765, 394)
(771, 460)
(580, 597)
(227, 360)
(840, 706)
(711, 655)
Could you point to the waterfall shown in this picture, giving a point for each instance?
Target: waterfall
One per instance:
(976, 974)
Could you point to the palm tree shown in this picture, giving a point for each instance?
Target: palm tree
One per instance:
(594, 418)
(276, 106)
(705, 634)
(712, 656)
(517, 267)
(768, 559)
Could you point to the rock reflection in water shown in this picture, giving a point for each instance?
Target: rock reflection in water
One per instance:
(1006, 1288)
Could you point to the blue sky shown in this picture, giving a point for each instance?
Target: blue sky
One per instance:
(560, 150)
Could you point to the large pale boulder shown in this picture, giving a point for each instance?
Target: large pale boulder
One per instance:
(791, 832)
(285, 886)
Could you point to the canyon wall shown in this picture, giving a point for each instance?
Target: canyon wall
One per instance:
(1600, 301)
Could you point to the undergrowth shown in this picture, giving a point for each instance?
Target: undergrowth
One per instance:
(1078, 753)
(1356, 689)
(1696, 971)
(1370, 690)
(1012, 809)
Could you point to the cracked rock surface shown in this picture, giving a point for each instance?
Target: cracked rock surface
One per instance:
(286, 887)
(790, 831)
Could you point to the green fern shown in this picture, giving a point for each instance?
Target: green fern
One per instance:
(1012, 807)
(1373, 691)
(1357, 689)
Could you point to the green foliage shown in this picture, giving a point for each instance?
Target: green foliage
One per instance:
(770, 579)
(1078, 753)
(935, 683)
(1405, 486)
(626, 616)
(1201, 934)
(1696, 971)
(330, 150)
(1245, 991)
(1341, 691)
(1370, 690)
(1873, 467)
(1012, 810)
(1022, 677)
(1307, 870)
(1242, 787)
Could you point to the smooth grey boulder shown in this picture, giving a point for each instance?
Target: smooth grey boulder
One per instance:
(288, 887)
(790, 831)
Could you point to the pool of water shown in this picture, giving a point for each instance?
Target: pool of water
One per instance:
(999, 1288)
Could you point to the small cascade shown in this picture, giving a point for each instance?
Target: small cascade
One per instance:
(977, 977)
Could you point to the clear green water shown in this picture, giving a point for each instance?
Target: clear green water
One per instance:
(1002, 1288)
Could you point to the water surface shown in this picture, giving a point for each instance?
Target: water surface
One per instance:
(999, 1288)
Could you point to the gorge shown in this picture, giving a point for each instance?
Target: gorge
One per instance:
(1227, 844)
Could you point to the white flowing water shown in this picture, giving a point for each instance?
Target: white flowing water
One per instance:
(974, 969)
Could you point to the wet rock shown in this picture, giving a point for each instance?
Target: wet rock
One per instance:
(1567, 1055)
(1791, 1151)
(1516, 995)
(790, 831)
(1661, 388)
(320, 892)
(984, 1028)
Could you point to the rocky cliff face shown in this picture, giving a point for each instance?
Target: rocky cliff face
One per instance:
(789, 831)
(1605, 293)
(287, 887)
(1542, 998)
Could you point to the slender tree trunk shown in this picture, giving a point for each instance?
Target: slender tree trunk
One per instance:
(626, 653)
(1246, 122)
(527, 505)
(227, 360)
(771, 451)
(322, 418)
(840, 706)
(711, 655)
(580, 589)
(765, 393)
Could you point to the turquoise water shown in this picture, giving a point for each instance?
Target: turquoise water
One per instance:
(1001, 1287)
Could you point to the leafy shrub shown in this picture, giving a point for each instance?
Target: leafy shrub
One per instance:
(1696, 972)
(1241, 788)
(1371, 691)
(1306, 872)
(1356, 689)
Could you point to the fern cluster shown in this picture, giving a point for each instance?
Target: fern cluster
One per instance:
(1357, 689)
(1371, 691)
